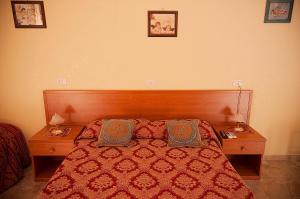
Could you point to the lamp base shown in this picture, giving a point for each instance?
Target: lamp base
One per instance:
(56, 131)
(238, 129)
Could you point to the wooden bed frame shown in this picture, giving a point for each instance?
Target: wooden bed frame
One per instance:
(83, 106)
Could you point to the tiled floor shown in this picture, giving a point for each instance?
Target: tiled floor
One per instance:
(27, 188)
(280, 180)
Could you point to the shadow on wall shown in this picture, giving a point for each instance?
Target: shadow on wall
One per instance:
(294, 144)
(227, 112)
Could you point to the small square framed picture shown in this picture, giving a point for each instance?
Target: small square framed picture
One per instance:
(279, 11)
(29, 14)
(162, 23)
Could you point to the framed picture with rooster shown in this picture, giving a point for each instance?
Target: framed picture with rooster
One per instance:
(279, 11)
(29, 14)
(162, 23)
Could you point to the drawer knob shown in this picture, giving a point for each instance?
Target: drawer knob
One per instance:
(52, 150)
(243, 148)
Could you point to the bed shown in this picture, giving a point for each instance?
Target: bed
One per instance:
(14, 155)
(149, 168)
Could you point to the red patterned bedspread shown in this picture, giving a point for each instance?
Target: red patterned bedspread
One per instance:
(147, 169)
(14, 155)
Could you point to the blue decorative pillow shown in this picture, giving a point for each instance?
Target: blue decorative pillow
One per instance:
(115, 132)
(183, 133)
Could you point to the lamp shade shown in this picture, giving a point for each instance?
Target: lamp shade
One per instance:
(56, 119)
(238, 118)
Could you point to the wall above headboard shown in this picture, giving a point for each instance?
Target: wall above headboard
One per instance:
(82, 106)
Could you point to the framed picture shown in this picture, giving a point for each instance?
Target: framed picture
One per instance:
(162, 23)
(29, 14)
(279, 11)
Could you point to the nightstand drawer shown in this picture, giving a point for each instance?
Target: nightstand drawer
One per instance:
(39, 149)
(244, 148)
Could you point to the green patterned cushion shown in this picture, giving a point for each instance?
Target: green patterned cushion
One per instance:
(183, 133)
(115, 132)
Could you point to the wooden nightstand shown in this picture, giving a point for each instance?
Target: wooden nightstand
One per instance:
(49, 151)
(245, 152)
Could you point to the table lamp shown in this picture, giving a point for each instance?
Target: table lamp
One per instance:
(239, 119)
(56, 120)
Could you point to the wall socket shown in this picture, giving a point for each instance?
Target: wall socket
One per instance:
(150, 82)
(61, 81)
(237, 83)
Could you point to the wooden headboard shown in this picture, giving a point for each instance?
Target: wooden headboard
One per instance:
(83, 106)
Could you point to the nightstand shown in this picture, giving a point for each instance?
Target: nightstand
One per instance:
(49, 151)
(245, 152)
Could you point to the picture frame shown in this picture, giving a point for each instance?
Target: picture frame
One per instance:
(29, 14)
(162, 23)
(279, 11)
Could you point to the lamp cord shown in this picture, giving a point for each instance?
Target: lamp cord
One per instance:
(239, 100)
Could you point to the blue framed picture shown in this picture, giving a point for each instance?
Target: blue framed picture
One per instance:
(279, 11)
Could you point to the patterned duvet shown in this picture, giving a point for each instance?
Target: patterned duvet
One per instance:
(147, 169)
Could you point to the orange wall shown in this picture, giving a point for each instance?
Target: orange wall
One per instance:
(103, 44)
